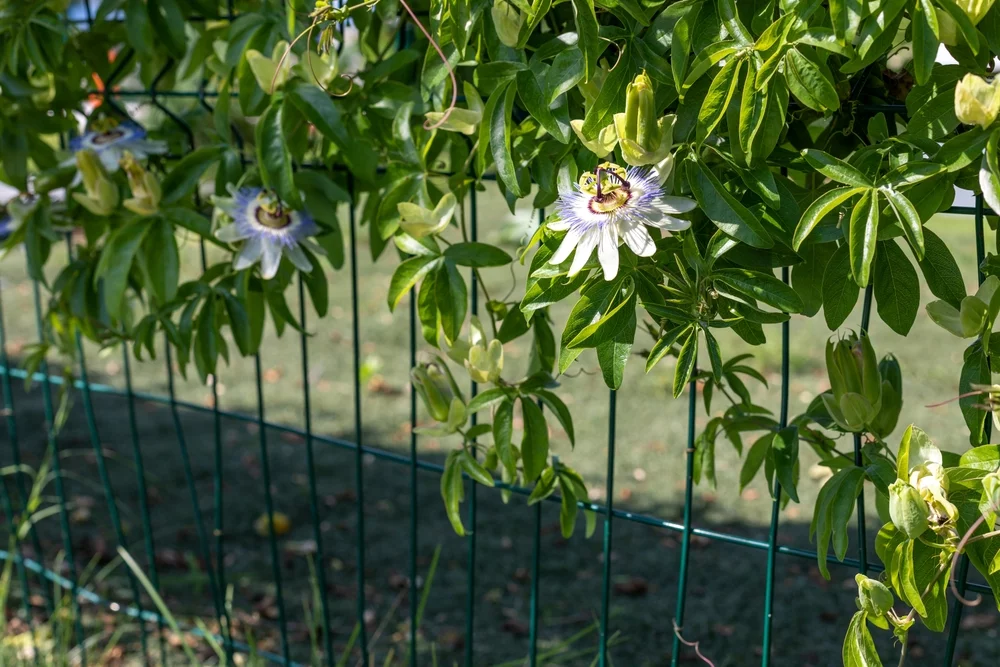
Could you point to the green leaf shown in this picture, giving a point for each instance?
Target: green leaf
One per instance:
(185, 174)
(162, 260)
(840, 292)
(714, 354)
(724, 209)
(559, 409)
(861, 237)
(453, 490)
(588, 37)
(477, 255)
(273, 158)
(500, 132)
(503, 433)
(975, 371)
(908, 218)
(316, 105)
(755, 457)
(451, 297)
(925, 39)
(785, 450)
(897, 291)
(613, 352)
(819, 209)
(116, 262)
(687, 359)
(807, 277)
(762, 287)
(720, 93)
(859, 649)
(529, 89)
(941, 271)
(610, 99)
(962, 150)
(810, 82)
(665, 343)
(845, 15)
(535, 445)
(836, 169)
(406, 275)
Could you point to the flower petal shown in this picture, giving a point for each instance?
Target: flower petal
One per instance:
(638, 240)
(249, 253)
(607, 251)
(298, 258)
(231, 233)
(584, 249)
(670, 223)
(270, 260)
(566, 247)
(676, 205)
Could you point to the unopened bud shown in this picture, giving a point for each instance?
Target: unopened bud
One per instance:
(645, 138)
(436, 387)
(873, 596)
(101, 196)
(907, 509)
(146, 191)
(977, 102)
(418, 221)
(485, 363)
(991, 486)
(508, 21)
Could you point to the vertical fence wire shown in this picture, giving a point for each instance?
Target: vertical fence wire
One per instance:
(963, 566)
(199, 522)
(675, 653)
(772, 540)
(57, 478)
(102, 472)
(470, 598)
(414, 537)
(313, 494)
(866, 313)
(265, 467)
(536, 555)
(141, 492)
(359, 481)
(15, 451)
(608, 522)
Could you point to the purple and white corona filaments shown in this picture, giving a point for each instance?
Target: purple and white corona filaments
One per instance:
(611, 205)
(268, 230)
(112, 143)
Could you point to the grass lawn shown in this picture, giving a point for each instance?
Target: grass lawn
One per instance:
(726, 585)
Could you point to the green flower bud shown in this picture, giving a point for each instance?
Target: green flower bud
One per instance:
(146, 192)
(908, 509)
(644, 138)
(508, 21)
(976, 101)
(485, 363)
(101, 196)
(855, 398)
(602, 144)
(418, 221)
(884, 422)
(436, 387)
(873, 596)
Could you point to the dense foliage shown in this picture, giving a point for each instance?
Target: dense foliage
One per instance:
(686, 151)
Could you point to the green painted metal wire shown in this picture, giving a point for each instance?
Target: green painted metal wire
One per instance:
(470, 584)
(675, 653)
(359, 479)
(608, 534)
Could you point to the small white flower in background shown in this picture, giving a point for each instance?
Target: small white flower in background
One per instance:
(111, 142)
(611, 205)
(268, 229)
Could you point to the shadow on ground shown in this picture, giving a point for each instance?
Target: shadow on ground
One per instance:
(726, 584)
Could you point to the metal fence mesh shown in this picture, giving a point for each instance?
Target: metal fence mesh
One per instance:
(33, 575)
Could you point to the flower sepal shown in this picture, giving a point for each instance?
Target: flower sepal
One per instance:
(101, 196)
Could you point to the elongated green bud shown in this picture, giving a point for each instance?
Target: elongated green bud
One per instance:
(907, 509)
(101, 197)
(991, 485)
(434, 386)
(873, 596)
(976, 101)
(640, 113)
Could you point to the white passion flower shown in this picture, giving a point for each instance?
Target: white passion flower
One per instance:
(268, 229)
(611, 205)
(111, 142)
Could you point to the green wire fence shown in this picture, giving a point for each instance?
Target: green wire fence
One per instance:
(212, 552)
